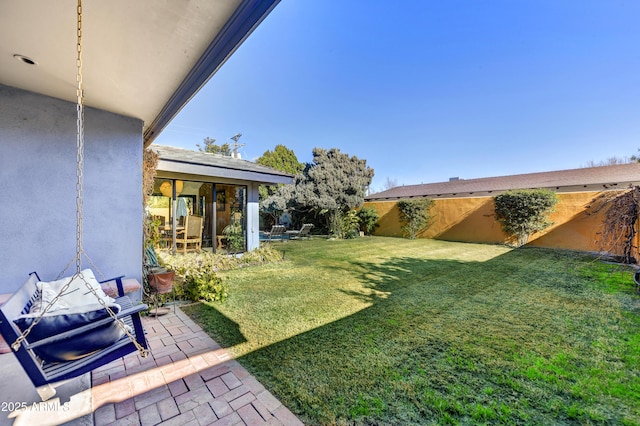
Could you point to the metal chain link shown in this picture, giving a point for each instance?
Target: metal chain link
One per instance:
(79, 142)
(79, 210)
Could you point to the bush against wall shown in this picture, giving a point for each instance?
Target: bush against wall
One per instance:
(523, 212)
(350, 225)
(415, 215)
(368, 219)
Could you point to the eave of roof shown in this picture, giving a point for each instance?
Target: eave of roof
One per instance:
(246, 18)
(187, 162)
(574, 180)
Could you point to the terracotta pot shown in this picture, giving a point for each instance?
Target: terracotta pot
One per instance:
(161, 282)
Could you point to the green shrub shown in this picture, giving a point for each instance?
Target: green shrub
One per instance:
(198, 272)
(523, 212)
(415, 215)
(368, 219)
(203, 284)
(350, 225)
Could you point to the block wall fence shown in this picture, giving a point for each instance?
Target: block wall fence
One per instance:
(577, 222)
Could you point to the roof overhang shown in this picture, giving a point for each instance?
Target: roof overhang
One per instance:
(208, 173)
(144, 59)
(180, 163)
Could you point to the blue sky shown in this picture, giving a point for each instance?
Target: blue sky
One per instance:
(427, 90)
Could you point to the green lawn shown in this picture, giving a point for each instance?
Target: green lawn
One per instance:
(393, 331)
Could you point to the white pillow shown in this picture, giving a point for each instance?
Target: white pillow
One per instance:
(46, 297)
(78, 294)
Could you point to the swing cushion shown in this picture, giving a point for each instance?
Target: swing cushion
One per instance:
(75, 308)
(78, 294)
(77, 346)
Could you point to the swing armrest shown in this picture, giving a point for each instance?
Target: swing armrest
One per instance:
(121, 288)
(76, 331)
(119, 285)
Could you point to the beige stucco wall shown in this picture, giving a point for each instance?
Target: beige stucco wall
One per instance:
(576, 223)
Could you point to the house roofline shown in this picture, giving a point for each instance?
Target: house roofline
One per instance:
(574, 180)
(244, 20)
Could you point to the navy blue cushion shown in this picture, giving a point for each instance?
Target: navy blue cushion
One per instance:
(76, 346)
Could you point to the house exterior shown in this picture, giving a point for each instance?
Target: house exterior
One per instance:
(463, 208)
(221, 189)
(142, 61)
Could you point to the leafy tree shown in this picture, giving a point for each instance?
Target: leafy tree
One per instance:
(285, 160)
(210, 146)
(333, 184)
(415, 215)
(330, 186)
(277, 202)
(368, 219)
(281, 158)
(523, 212)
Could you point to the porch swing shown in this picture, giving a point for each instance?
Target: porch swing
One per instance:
(54, 331)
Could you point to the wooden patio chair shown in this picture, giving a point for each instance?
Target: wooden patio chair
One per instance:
(191, 237)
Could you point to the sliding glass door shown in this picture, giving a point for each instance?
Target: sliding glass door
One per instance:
(222, 206)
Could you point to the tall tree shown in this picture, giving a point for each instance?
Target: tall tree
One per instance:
(281, 158)
(331, 185)
(285, 160)
(211, 146)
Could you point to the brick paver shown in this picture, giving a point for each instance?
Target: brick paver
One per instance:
(187, 380)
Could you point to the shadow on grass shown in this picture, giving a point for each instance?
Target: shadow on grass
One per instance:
(228, 332)
(448, 341)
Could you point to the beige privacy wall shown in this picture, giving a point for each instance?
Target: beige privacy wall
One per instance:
(577, 221)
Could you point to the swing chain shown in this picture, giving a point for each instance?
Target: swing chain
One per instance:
(79, 211)
(79, 142)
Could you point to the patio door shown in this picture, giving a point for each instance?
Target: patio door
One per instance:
(231, 217)
(222, 206)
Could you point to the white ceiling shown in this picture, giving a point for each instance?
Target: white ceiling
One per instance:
(136, 53)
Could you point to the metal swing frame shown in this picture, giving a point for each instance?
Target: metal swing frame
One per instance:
(44, 374)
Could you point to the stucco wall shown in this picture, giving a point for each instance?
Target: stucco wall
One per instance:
(576, 223)
(37, 189)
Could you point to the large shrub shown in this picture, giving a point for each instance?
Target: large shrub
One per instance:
(368, 219)
(350, 224)
(523, 212)
(415, 215)
(203, 285)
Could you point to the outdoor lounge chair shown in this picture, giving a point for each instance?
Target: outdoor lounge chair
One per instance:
(276, 233)
(304, 232)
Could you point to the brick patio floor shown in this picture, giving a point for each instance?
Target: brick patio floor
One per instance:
(187, 380)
